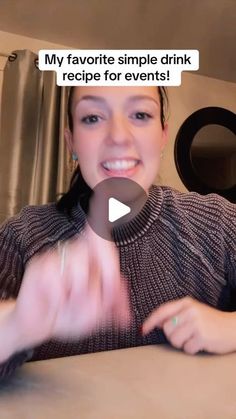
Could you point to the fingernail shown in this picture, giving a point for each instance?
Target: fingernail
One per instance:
(140, 330)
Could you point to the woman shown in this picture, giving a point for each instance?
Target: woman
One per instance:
(171, 274)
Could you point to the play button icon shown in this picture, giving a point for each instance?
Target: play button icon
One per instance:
(114, 202)
(117, 209)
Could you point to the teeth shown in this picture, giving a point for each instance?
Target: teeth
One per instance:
(120, 164)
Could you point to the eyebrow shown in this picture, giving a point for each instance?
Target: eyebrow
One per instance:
(91, 97)
(134, 98)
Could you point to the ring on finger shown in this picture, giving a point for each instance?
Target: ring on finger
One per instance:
(175, 321)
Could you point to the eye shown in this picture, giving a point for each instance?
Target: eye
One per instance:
(90, 119)
(142, 116)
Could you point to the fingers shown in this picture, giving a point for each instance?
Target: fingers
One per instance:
(110, 275)
(121, 309)
(62, 256)
(95, 294)
(80, 307)
(76, 272)
(185, 337)
(41, 278)
(164, 313)
(105, 255)
(176, 322)
(178, 319)
(180, 334)
(115, 292)
(193, 346)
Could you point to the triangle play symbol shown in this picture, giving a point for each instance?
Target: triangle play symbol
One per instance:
(116, 209)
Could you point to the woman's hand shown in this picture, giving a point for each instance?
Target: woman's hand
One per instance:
(70, 292)
(193, 326)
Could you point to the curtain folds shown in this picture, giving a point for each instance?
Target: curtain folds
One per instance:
(33, 157)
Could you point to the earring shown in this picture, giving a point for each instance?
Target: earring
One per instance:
(73, 162)
(74, 156)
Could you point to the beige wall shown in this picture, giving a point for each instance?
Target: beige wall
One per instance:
(195, 92)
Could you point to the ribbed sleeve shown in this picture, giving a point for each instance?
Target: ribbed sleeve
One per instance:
(229, 231)
(11, 272)
(7, 368)
(11, 266)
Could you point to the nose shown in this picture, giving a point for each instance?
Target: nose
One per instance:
(119, 132)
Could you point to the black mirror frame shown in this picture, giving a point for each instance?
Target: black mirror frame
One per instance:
(183, 143)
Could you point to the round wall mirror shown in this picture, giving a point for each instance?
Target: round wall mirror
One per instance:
(205, 152)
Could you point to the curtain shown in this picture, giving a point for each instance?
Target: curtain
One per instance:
(33, 157)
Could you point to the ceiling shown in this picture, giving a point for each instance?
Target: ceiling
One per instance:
(206, 25)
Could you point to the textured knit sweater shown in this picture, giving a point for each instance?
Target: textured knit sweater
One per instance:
(178, 245)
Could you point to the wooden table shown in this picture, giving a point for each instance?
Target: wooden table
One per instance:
(144, 382)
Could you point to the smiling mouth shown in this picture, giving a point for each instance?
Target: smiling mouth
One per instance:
(120, 165)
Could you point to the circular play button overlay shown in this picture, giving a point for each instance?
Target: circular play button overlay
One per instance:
(114, 202)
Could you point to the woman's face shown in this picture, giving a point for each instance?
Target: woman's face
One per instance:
(117, 131)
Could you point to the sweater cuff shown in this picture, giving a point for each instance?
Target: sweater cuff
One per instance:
(8, 367)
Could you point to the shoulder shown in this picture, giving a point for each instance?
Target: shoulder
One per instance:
(35, 227)
(205, 225)
(200, 217)
(193, 205)
(33, 216)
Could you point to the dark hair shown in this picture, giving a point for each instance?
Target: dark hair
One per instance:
(79, 191)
